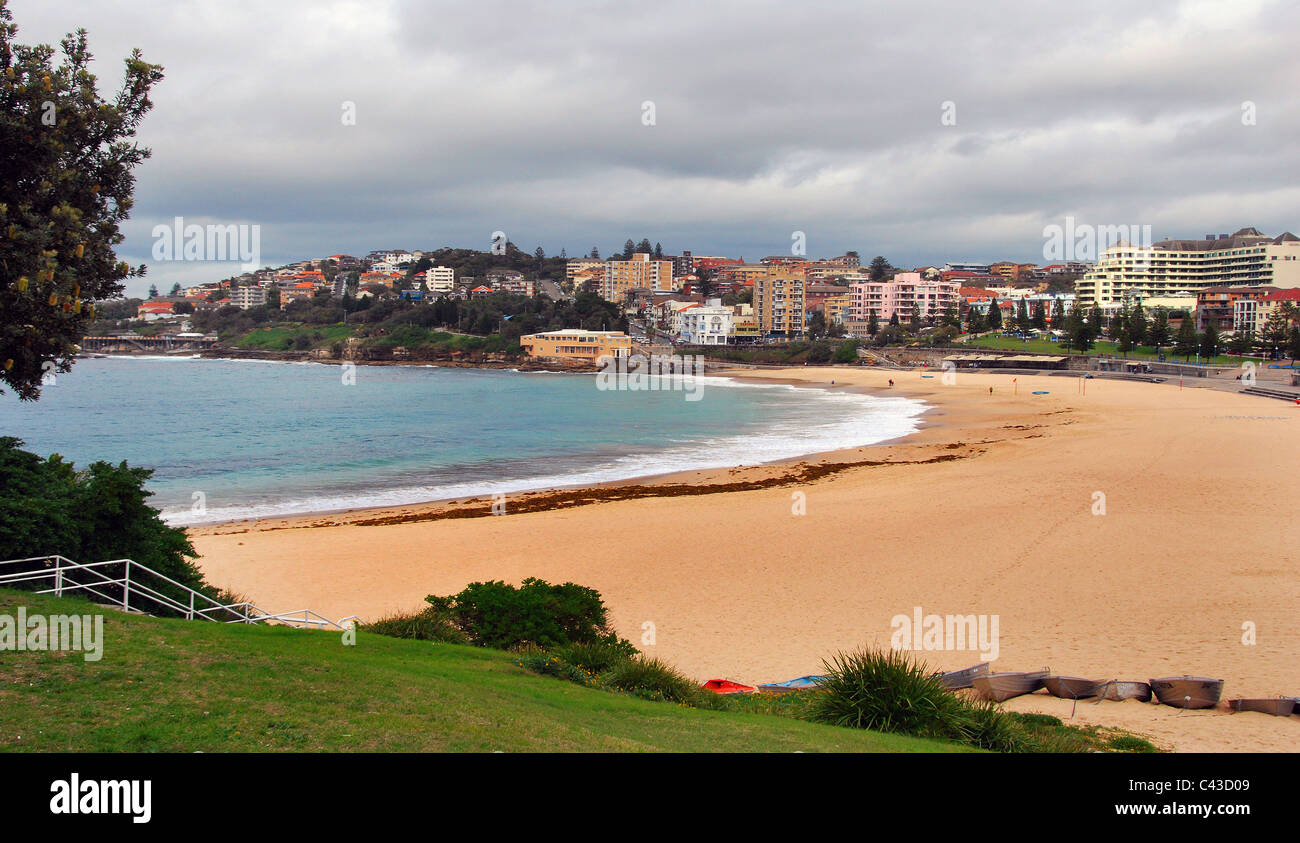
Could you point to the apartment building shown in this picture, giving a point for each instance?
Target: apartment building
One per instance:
(624, 275)
(586, 268)
(836, 307)
(1247, 258)
(779, 303)
(705, 324)
(575, 344)
(440, 279)
(1253, 314)
(248, 297)
(1226, 307)
(907, 294)
(815, 293)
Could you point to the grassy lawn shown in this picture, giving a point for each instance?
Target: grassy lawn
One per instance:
(281, 337)
(185, 686)
(1102, 347)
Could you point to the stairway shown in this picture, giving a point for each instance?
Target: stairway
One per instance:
(1270, 392)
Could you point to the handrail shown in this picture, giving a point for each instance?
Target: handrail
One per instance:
(244, 612)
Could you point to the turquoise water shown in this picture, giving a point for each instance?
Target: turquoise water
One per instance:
(253, 438)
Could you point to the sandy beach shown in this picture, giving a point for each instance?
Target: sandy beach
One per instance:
(990, 509)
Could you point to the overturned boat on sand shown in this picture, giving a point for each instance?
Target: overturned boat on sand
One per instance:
(1071, 687)
(963, 678)
(1277, 706)
(726, 686)
(803, 683)
(1000, 687)
(1124, 689)
(1188, 691)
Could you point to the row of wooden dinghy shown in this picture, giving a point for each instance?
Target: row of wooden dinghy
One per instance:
(1176, 691)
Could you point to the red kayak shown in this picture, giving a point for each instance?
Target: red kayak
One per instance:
(726, 686)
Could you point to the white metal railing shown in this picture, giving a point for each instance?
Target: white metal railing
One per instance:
(142, 584)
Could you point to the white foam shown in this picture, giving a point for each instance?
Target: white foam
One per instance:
(874, 419)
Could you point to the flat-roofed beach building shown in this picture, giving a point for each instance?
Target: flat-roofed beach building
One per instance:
(576, 344)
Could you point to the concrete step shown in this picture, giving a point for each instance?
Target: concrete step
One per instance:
(1269, 392)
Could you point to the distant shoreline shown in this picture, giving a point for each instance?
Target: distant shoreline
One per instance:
(670, 483)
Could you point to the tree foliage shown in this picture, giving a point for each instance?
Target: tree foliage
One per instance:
(99, 513)
(68, 157)
(499, 615)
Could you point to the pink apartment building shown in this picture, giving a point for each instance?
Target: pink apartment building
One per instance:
(906, 294)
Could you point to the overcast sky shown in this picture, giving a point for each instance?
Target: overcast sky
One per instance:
(769, 118)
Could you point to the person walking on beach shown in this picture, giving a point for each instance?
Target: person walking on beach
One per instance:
(891, 383)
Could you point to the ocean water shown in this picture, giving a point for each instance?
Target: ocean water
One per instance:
(255, 438)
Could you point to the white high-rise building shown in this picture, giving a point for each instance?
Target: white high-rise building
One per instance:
(1244, 259)
(440, 279)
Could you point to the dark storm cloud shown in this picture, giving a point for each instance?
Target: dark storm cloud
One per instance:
(770, 118)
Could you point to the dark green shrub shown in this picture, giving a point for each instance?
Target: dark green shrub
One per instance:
(427, 625)
(887, 691)
(981, 723)
(496, 614)
(95, 514)
(538, 660)
(597, 656)
(846, 352)
(653, 679)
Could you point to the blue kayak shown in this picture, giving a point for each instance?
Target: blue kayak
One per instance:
(803, 683)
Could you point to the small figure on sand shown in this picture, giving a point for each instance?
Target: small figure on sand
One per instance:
(891, 382)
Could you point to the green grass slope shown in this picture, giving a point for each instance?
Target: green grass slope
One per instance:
(185, 686)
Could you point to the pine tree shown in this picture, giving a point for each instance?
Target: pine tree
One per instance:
(1210, 343)
(1058, 314)
(1274, 334)
(1079, 332)
(873, 324)
(879, 269)
(595, 253)
(1242, 342)
(995, 315)
(628, 248)
(1186, 344)
(1137, 324)
(1158, 333)
(1125, 340)
(1040, 316)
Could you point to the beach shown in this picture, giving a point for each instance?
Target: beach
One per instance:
(758, 573)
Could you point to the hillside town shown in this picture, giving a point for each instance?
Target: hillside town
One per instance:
(1238, 292)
